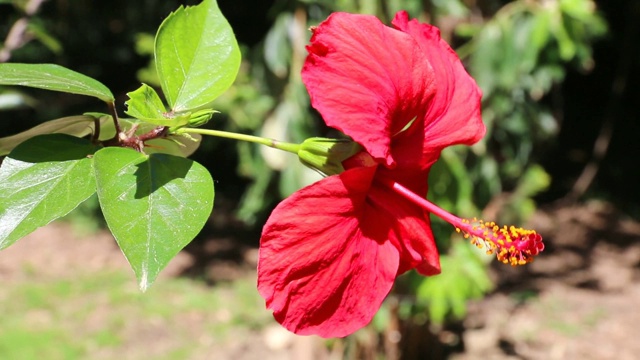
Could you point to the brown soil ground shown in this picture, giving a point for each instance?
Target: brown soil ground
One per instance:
(579, 300)
(587, 293)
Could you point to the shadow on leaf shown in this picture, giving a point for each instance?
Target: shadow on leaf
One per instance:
(159, 170)
(53, 148)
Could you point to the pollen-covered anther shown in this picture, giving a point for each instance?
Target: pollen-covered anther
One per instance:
(512, 245)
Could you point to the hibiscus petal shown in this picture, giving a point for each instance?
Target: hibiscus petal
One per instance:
(325, 265)
(454, 115)
(367, 79)
(411, 228)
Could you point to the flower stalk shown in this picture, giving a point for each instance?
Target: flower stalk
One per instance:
(322, 154)
(288, 147)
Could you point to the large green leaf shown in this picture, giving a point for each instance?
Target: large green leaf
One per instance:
(43, 179)
(55, 78)
(80, 126)
(154, 205)
(197, 56)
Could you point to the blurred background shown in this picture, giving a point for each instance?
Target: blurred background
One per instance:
(561, 90)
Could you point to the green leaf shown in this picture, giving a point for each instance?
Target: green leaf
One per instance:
(176, 145)
(80, 126)
(144, 103)
(39, 32)
(55, 78)
(277, 45)
(43, 179)
(540, 34)
(464, 277)
(197, 56)
(154, 205)
(534, 180)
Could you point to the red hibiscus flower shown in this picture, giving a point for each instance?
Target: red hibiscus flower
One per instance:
(330, 253)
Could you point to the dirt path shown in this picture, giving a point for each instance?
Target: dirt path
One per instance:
(579, 300)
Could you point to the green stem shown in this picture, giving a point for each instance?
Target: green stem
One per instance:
(289, 147)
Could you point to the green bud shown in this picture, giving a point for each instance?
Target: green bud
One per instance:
(201, 117)
(327, 155)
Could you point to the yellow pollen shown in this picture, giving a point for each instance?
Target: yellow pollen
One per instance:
(512, 245)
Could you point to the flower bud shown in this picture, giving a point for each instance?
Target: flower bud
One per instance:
(201, 117)
(327, 155)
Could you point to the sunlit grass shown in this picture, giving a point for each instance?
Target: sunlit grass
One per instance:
(104, 316)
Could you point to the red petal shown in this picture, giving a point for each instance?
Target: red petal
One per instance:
(411, 229)
(320, 269)
(367, 79)
(454, 115)
(412, 226)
